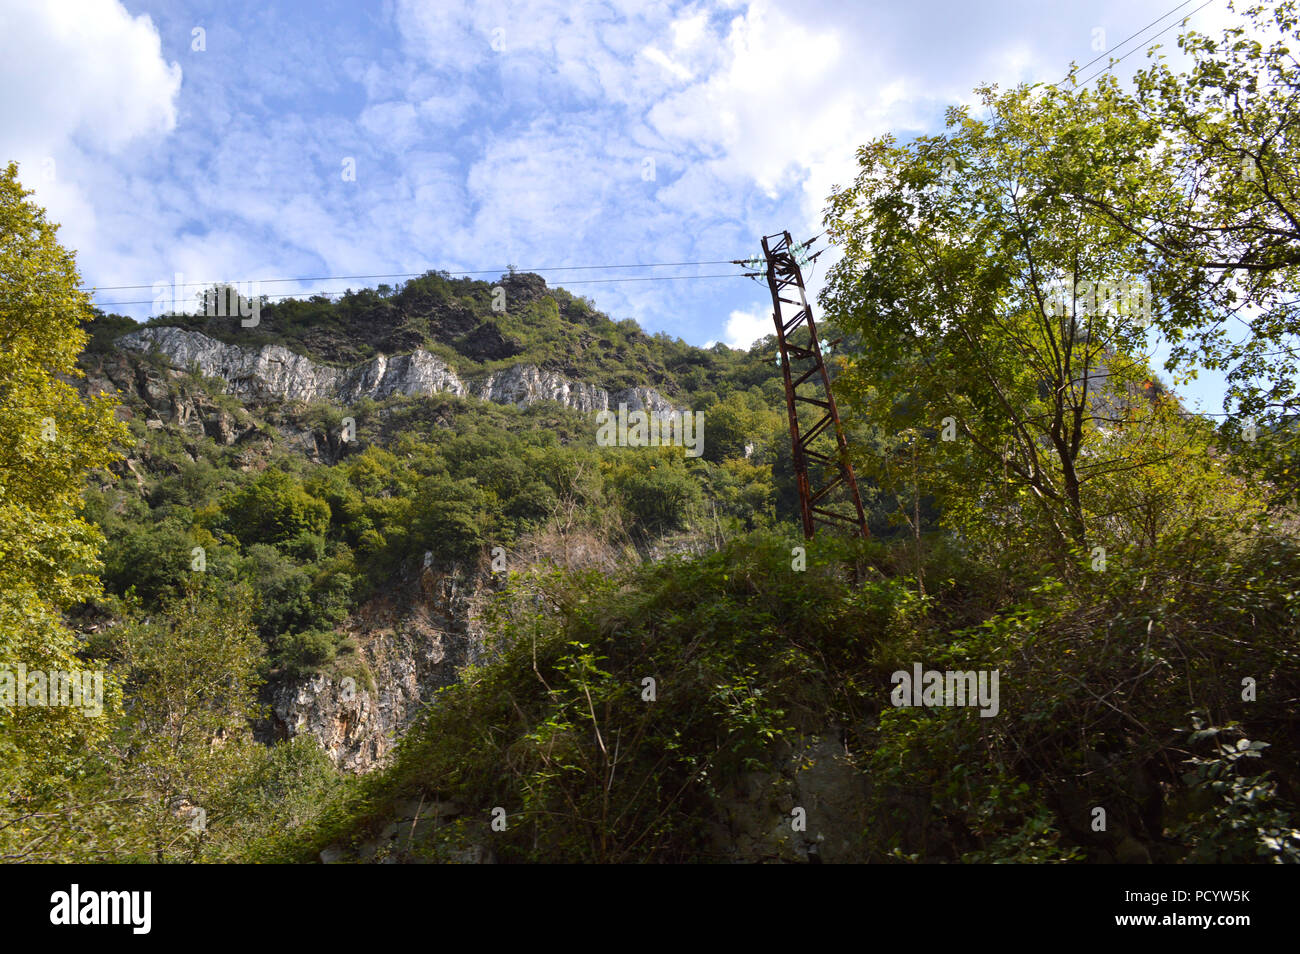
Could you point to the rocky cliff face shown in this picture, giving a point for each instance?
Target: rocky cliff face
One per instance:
(411, 641)
(408, 645)
(272, 372)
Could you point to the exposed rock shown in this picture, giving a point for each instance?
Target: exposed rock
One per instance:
(220, 426)
(269, 372)
(523, 384)
(128, 465)
(408, 647)
(523, 288)
(643, 399)
(416, 373)
(272, 372)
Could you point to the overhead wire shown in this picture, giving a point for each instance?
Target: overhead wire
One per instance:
(341, 278)
(1156, 37)
(331, 294)
(560, 268)
(1125, 41)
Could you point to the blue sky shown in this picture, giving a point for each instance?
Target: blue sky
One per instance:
(213, 140)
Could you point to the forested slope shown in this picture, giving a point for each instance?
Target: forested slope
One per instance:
(362, 581)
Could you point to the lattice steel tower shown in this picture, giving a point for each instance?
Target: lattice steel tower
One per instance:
(802, 367)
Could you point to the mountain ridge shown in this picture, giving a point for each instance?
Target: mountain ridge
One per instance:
(274, 371)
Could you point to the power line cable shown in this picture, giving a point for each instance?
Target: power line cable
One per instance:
(1123, 42)
(587, 281)
(555, 268)
(340, 278)
(1150, 40)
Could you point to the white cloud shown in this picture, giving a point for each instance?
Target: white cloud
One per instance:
(449, 110)
(745, 327)
(469, 156)
(395, 125)
(82, 81)
(786, 105)
(443, 33)
(659, 58)
(81, 68)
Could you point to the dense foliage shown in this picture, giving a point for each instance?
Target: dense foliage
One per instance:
(668, 675)
(1122, 693)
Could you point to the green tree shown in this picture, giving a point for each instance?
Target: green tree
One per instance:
(657, 490)
(733, 425)
(1213, 196)
(274, 508)
(998, 320)
(448, 519)
(50, 438)
(192, 678)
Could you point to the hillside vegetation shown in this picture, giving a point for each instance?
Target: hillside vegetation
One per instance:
(661, 669)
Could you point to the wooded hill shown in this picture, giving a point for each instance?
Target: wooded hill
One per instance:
(468, 632)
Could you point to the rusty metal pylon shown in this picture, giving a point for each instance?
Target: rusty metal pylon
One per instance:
(802, 366)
